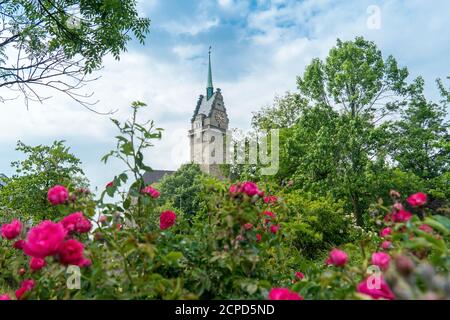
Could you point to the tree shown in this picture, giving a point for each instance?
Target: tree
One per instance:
(43, 168)
(58, 43)
(337, 144)
(421, 135)
(284, 113)
(183, 189)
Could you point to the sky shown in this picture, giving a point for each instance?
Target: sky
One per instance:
(259, 47)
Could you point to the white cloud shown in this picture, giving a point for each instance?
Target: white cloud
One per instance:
(282, 40)
(189, 51)
(192, 28)
(225, 3)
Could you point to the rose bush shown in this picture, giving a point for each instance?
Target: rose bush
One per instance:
(251, 241)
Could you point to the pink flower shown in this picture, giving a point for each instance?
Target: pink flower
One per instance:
(12, 230)
(284, 294)
(299, 275)
(386, 232)
(258, 237)
(248, 226)
(71, 253)
(250, 188)
(76, 222)
(19, 244)
(381, 259)
(397, 206)
(85, 263)
(402, 216)
(386, 245)
(167, 219)
(110, 184)
(274, 228)
(270, 216)
(417, 199)
(45, 239)
(58, 195)
(337, 257)
(235, 189)
(4, 297)
(375, 290)
(37, 263)
(426, 228)
(270, 199)
(25, 287)
(103, 219)
(152, 192)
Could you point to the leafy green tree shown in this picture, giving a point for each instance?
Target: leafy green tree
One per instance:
(56, 43)
(183, 189)
(44, 167)
(338, 145)
(284, 113)
(421, 135)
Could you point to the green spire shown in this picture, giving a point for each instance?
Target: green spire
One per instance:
(209, 88)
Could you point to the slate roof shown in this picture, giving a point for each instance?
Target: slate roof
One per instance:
(155, 176)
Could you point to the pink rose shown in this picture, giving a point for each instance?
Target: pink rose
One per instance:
(337, 257)
(386, 232)
(284, 294)
(19, 244)
(76, 222)
(270, 199)
(375, 290)
(258, 237)
(25, 287)
(402, 216)
(12, 230)
(250, 188)
(58, 195)
(426, 228)
(110, 184)
(299, 275)
(269, 216)
(167, 219)
(417, 199)
(234, 189)
(4, 297)
(152, 192)
(248, 226)
(381, 259)
(274, 228)
(45, 239)
(386, 245)
(37, 264)
(71, 253)
(103, 219)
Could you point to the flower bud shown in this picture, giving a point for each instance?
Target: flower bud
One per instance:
(404, 265)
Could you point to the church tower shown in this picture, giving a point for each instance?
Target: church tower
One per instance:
(209, 125)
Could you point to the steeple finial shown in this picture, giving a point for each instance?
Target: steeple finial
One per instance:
(209, 88)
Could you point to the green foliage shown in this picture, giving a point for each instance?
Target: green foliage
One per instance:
(318, 224)
(44, 167)
(133, 139)
(183, 189)
(60, 42)
(421, 143)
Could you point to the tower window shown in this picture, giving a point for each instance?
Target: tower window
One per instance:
(213, 138)
(213, 153)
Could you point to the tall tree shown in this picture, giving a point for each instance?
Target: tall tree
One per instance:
(421, 136)
(58, 43)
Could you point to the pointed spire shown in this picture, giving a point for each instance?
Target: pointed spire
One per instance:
(209, 88)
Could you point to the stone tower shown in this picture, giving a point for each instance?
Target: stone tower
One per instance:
(209, 125)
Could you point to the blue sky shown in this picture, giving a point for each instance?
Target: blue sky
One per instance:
(259, 47)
